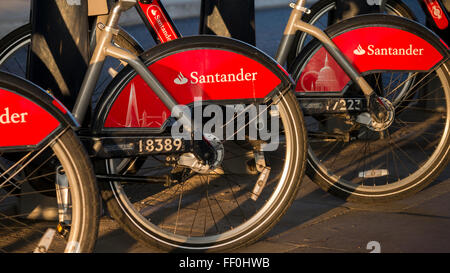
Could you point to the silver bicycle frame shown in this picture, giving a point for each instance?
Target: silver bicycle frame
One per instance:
(105, 48)
(295, 24)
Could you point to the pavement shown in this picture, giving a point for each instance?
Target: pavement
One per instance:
(317, 221)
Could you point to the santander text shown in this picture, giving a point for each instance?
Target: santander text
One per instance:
(8, 117)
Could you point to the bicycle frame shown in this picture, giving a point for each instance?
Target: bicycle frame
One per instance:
(296, 24)
(105, 48)
(163, 30)
(156, 18)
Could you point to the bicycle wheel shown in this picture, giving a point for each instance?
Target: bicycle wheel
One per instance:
(205, 210)
(15, 46)
(30, 213)
(322, 11)
(361, 162)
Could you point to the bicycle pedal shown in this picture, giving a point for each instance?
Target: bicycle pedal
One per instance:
(373, 173)
(260, 183)
(63, 229)
(260, 161)
(45, 241)
(250, 166)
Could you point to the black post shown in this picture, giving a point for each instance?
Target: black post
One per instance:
(60, 47)
(229, 18)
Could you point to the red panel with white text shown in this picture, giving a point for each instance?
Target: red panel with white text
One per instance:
(201, 74)
(368, 49)
(22, 122)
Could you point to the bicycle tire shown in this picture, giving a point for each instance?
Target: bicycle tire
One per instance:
(399, 181)
(129, 203)
(25, 217)
(322, 7)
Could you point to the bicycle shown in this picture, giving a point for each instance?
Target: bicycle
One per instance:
(383, 171)
(67, 221)
(345, 106)
(193, 186)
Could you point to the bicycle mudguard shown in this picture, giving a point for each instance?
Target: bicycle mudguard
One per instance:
(28, 115)
(210, 69)
(370, 43)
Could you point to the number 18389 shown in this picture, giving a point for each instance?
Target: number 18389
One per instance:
(160, 145)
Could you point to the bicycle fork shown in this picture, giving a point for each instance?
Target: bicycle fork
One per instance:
(378, 109)
(104, 48)
(63, 199)
(64, 212)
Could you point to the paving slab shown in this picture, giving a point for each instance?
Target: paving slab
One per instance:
(320, 223)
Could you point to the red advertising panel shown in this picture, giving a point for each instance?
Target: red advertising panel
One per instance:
(201, 74)
(368, 49)
(22, 122)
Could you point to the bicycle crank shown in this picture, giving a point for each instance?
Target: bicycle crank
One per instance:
(209, 154)
(381, 119)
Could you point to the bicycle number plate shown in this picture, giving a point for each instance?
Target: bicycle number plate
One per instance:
(332, 105)
(158, 145)
(109, 147)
